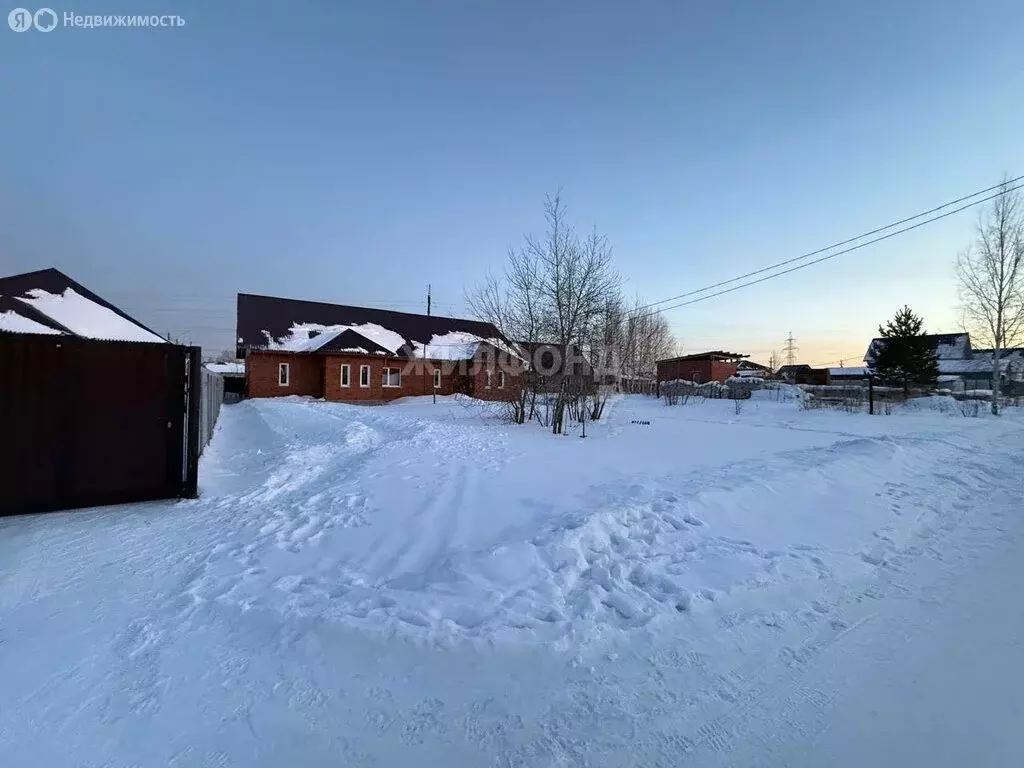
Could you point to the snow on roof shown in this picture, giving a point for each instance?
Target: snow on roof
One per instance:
(226, 368)
(1015, 354)
(848, 371)
(948, 346)
(86, 318)
(459, 345)
(12, 322)
(976, 365)
(454, 345)
(309, 337)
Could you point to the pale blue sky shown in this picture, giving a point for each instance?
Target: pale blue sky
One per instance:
(355, 151)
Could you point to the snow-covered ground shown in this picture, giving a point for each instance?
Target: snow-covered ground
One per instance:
(420, 582)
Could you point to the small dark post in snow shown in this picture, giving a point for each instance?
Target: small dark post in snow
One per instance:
(871, 394)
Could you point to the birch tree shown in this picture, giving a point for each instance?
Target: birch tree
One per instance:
(991, 280)
(555, 289)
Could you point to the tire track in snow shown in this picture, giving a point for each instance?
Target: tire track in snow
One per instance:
(724, 730)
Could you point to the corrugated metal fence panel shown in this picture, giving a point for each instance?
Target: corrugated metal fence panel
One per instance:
(92, 422)
(212, 393)
(30, 419)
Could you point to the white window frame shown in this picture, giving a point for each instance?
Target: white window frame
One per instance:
(437, 378)
(286, 369)
(364, 376)
(385, 374)
(501, 379)
(346, 375)
(487, 379)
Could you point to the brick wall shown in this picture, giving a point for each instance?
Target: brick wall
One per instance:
(497, 390)
(261, 375)
(721, 371)
(703, 370)
(321, 376)
(688, 370)
(415, 380)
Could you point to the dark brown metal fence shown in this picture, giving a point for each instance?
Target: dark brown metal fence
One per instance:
(86, 423)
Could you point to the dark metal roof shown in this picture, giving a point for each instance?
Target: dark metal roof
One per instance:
(717, 355)
(260, 315)
(947, 346)
(348, 340)
(56, 282)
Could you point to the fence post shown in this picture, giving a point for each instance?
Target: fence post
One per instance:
(194, 366)
(871, 395)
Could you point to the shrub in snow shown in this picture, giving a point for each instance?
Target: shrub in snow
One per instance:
(932, 404)
(681, 389)
(743, 387)
(971, 408)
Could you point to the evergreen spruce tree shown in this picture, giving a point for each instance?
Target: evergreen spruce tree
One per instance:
(907, 359)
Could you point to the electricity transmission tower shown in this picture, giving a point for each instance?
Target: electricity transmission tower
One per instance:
(790, 349)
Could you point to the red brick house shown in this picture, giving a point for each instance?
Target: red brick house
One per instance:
(365, 355)
(700, 368)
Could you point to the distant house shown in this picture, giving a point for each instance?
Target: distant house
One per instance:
(366, 355)
(849, 375)
(748, 368)
(803, 374)
(233, 374)
(700, 368)
(961, 367)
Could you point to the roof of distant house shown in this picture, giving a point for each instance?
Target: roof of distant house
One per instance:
(849, 372)
(716, 355)
(1010, 353)
(793, 368)
(295, 325)
(750, 365)
(947, 346)
(50, 302)
(236, 368)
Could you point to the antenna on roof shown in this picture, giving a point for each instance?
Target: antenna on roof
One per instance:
(428, 299)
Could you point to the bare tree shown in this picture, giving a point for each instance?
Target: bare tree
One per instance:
(556, 289)
(991, 277)
(773, 362)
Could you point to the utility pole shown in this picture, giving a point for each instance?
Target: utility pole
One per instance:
(790, 349)
(428, 299)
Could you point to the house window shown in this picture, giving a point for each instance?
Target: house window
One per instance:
(284, 374)
(487, 380)
(501, 380)
(346, 375)
(392, 377)
(364, 375)
(437, 379)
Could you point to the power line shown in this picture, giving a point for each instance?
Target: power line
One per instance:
(833, 255)
(850, 240)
